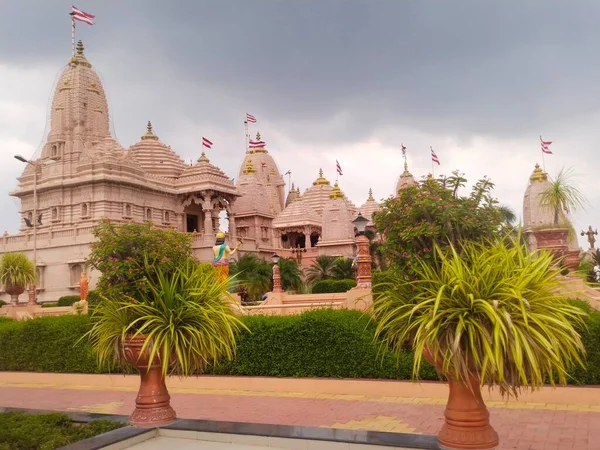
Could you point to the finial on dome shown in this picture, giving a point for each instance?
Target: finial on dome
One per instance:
(80, 48)
(149, 133)
(320, 173)
(370, 199)
(78, 59)
(321, 180)
(336, 193)
(293, 188)
(203, 158)
(258, 135)
(538, 175)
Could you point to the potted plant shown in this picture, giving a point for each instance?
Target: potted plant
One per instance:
(184, 323)
(16, 272)
(487, 315)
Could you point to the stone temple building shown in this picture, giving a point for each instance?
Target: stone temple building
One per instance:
(83, 175)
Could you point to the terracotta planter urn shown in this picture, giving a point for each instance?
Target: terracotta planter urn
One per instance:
(14, 292)
(153, 402)
(467, 420)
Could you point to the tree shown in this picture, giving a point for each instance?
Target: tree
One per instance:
(320, 269)
(562, 196)
(291, 274)
(123, 252)
(256, 274)
(343, 269)
(433, 213)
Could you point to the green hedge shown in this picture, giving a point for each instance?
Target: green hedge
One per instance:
(321, 343)
(68, 300)
(332, 286)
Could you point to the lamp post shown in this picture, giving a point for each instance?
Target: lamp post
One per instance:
(364, 278)
(34, 219)
(298, 252)
(276, 274)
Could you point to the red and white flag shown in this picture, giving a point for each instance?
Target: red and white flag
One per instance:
(338, 167)
(434, 157)
(81, 16)
(403, 149)
(256, 144)
(206, 143)
(545, 146)
(250, 118)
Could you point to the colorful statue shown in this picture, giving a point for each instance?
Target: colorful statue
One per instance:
(83, 286)
(222, 252)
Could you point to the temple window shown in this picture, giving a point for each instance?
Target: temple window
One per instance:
(127, 211)
(54, 151)
(75, 272)
(55, 214)
(30, 216)
(148, 214)
(167, 217)
(85, 210)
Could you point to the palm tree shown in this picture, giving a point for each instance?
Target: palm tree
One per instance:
(508, 215)
(343, 269)
(562, 196)
(321, 269)
(291, 274)
(256, 274)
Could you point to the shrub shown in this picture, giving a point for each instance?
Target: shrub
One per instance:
(322, 343)
(20, 431)
(68, 300)
(332, 286)
(120, 253)
(17, 270)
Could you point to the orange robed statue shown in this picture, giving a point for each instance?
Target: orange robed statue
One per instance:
(83, 286)
(222, 252)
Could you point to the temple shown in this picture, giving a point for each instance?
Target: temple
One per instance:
(83, 175)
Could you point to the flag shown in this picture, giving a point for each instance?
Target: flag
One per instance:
(545, 146)
(434, 157)
(250, 118)
(206, 143)
(256, 144)
(338, 167)
(403, 149)
(289, 172)
(81, 16)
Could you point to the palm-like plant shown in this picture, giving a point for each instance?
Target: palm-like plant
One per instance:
(254, 273)
(291, 274)
(562, 195)
(187, 320)
(16, 270)
(321, 269)
(490, 310)
(343, 269)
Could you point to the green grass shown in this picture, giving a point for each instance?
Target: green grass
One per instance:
(22, 431)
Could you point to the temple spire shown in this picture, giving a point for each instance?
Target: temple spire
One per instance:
(149, 133)
(370, 199)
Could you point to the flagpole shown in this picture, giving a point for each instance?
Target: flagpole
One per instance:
(247, 135)
(73, 34)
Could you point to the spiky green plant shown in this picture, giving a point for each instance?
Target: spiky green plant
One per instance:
(562, 196)
(490, 311)
(320, 269)
(187, 317)
(17, 270)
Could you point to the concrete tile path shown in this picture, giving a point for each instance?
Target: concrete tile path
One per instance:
(561, 419)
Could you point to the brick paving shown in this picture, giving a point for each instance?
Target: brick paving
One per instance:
(523, 427)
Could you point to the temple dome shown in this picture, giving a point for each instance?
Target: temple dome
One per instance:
(318, 194)
(337, 217)
(369, 208)
(254, 193)
(292, 195)
(155, 157)
(406, 179)
(204, 176)
(534, 213)
(267, 173)
(297, 213)
(79, 116)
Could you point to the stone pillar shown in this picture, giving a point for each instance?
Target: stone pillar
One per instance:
(363, 278)
(208, 219)
(32, 296)
(276, 279)
(307, 241)
(232, 229)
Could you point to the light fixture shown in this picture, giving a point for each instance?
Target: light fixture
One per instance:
(275, 258)
(360, 223)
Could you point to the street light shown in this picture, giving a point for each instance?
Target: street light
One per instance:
(275, 258)
(36, 165)
(360, 223)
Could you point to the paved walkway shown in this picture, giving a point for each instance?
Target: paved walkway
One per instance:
(561, 419)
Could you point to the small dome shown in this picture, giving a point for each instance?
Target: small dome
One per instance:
(155, 157)
(204, 175)
(297, 213)
(321, 181)
(369, 208)
(292, 195)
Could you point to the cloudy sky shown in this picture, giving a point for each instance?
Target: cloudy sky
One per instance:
(327, 79)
